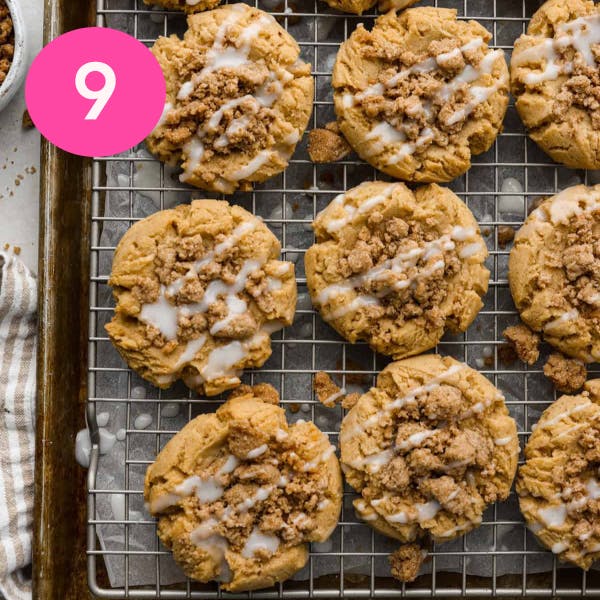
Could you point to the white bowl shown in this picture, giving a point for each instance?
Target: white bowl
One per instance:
(16, 73)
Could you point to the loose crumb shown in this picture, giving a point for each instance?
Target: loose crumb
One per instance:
(327, 145)
(327, 392)
(17, 250)
(406, 562)
(566, 374)
(350, 400)
(525, 342)
(264, 391)
(6, 246)
(294, 407)
(26, 122)
(506, 235)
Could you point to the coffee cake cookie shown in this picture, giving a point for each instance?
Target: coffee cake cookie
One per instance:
(239, 493)
(421, 93)
(238, 99)
(397, 268)
(428, 448)
(189, 6)
(554, 271)
(198, 291)
(555, 79)
(558, 487)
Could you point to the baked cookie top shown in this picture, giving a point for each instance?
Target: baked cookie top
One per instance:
(397, 268)
(554, 271)
(421, 93)
(556, 81)
(558, 486)
(238, 99)
(428, 448)
(189, 6)
(239, 493)
(198, 290)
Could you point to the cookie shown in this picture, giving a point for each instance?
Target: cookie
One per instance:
(420, 94)
(238, 99)
(239, 493)
(397, 268)
(558, 487)
(189, 6)
(428, 448)
(554, 271)
(198, 291)
(556, 81)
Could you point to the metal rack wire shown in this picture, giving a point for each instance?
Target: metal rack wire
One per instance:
(287, 204)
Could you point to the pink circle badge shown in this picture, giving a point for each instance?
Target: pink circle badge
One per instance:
(95, 91)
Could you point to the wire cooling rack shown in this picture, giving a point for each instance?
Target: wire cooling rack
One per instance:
(288, 204)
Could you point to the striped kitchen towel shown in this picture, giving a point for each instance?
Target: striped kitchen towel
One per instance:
(18, 304)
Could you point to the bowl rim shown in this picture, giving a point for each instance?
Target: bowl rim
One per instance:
(15, 72)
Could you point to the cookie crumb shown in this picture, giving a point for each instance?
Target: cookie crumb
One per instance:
(6, 246)
(327, 145)
(406, 562)
(264, 391)
(525, 342)
(328, 393)
(17, 250)
(294, 407)
(506, 235)
(566, 374)
(350, 400)
(26, 121)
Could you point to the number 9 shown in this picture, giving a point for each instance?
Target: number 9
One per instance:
(101, 96)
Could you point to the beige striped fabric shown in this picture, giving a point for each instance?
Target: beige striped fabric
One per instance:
(18, 304)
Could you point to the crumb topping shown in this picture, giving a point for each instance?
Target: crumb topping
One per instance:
(425, 99)
(572, 53)
(399, 268)
(563, 505)
(525, 342)
(566, 374)
(327, 145)
(434, 456)
(328, 393)
(259, 493)
(229, 103)
(7, 41)
(209, 300)
(406, 562)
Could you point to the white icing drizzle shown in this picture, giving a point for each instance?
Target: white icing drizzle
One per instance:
(567, 413)
(557, 323)
(388, 135)
(333, 397)
(416, 439)
(353, 212)
(394, 266)
(408, 399)
(164, 315)
(553, 516)
(373, 462)
(458, 528)
(580, 34)
(220, 56)
(428, 510)
(256, 452)
(502, 441)
(471, 250)
(323, 457)
(258, 540)
(189, 353)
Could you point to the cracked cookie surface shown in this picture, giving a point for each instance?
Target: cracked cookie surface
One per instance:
(198, 290)
(238, 99)
(420, 94)
(239, 493)
(397, 268)
(554, 271)
(558, 486)
(555, 79)
(428, 448)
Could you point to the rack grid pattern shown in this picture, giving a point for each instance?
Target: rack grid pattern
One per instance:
(288, 204)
